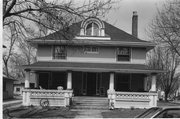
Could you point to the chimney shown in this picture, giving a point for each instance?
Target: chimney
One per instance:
(135, 24)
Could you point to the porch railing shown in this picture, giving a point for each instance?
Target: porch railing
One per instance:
(53, 97)
(132, 99)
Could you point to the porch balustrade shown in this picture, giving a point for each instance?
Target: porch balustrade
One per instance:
(54, 97)
(132, 99)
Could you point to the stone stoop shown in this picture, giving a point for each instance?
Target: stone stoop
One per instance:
(99, 103)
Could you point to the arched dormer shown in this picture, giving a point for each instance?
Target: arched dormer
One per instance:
(92, 27)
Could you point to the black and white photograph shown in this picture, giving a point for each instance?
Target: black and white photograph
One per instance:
(90, 59)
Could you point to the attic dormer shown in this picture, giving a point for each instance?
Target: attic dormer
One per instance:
(92, 27)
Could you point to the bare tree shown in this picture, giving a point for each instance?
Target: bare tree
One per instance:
(26, 19)
(49, 14)
(165, 27)
(164, 58)
(11, 38)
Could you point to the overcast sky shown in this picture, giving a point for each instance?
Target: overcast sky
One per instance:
(122, 17)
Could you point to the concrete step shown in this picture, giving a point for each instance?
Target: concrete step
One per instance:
(92, 103)
(87, 104)
(90, 107)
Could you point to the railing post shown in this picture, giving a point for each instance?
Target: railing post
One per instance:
(111, 81)
(26, 97)
(69, 80)
(27, 78)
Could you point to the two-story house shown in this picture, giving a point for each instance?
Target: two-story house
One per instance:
(93, 58)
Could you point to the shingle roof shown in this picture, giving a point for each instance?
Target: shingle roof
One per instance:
(79, 66)
(115, 33)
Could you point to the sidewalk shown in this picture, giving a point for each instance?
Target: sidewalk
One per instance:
(10, 103)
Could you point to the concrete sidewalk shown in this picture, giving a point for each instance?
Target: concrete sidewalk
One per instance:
(11, 103)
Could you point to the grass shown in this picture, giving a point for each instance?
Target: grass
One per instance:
(38, 112)
(64, 112)
(122, 113)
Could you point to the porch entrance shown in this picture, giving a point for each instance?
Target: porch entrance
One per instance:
(91, 84)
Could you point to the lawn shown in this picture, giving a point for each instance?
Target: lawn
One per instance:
(122, 113)
(63, 112)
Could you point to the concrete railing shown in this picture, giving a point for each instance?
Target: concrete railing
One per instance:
(132, 99)
(37, 97)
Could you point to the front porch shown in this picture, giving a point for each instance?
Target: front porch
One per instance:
(123, 90)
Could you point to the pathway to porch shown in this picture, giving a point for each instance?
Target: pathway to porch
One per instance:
(89, 107)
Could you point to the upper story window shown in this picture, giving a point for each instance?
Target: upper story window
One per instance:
(92, 29)
(60, 52)
(123, 54)
(91, 49)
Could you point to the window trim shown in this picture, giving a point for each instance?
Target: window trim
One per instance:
(130, 55)
(91, 51)
(53, 52)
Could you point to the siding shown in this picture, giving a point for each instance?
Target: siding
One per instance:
(105, 55)
(138, 55)
(44, 53)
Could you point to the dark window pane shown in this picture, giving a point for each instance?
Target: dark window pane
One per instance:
(95, 29)
(89, 29)
(169, 113)
(17, 89)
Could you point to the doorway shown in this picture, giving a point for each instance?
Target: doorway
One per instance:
(91, 84)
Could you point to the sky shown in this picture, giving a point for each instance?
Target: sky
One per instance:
(121, 17)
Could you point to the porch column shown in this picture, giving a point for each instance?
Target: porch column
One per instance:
(27, 78)
(36, 80)
(111, 82)
(145, 83)
(69, 80)
(153, 83)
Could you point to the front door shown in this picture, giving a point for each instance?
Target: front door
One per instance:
(91, 84)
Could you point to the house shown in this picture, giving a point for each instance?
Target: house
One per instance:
(92, 58)
(7, 87)
(19, 85)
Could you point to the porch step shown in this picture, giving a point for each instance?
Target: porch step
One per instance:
(90, 103)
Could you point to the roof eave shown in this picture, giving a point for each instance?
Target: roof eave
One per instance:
(148, 45)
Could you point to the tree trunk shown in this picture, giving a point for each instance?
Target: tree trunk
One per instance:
(166, 96)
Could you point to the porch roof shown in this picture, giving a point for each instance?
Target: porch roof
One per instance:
(91, 67)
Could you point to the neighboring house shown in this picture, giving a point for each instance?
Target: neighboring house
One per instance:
(19, 85)
(93, 58)
(7, 87)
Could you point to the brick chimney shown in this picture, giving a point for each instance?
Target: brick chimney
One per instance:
(135, 24)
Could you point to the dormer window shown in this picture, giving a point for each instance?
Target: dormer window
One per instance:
(92, 29)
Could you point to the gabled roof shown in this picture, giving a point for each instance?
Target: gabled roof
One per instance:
(73, 30)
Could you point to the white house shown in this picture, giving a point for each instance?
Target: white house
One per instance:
(92, 58)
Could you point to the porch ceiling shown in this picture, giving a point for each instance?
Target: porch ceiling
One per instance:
(90, 67)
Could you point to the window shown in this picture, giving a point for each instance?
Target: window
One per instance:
(92, 29)
(17, 89)
(123, 54)
(169, 113)
(91, 49)
(59, 52)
